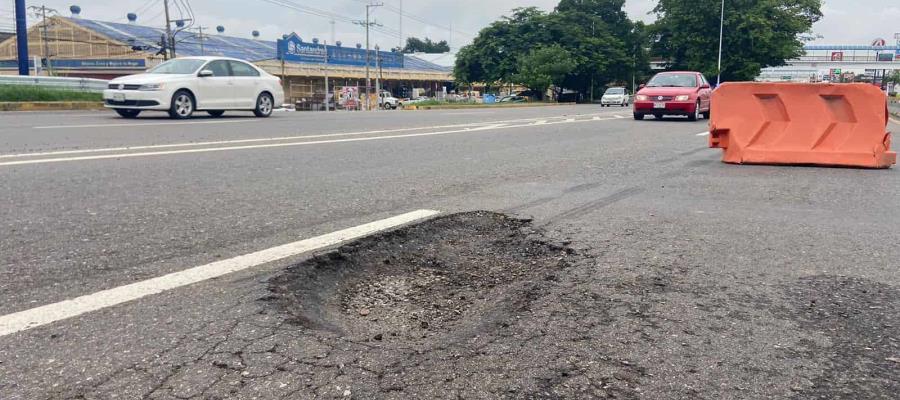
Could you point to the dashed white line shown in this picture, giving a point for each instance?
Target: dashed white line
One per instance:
(50, 313)
(271, 145)
(703, 133)
(257, 140)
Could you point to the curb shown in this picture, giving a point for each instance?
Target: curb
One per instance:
(50, 105)
(480, 106)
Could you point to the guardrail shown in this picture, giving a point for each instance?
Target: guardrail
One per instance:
(81, 84)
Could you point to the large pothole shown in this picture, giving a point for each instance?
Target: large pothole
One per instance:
(451, 275)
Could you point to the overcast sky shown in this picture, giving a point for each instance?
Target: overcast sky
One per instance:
(845, 21)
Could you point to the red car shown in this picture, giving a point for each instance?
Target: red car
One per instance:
(674, 93)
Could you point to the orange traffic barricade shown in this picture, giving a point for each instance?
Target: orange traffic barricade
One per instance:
(801, 124)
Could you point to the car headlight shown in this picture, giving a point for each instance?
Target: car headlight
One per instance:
(152, 86)
(640, 97)
(683, 97)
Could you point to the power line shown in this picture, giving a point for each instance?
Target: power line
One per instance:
(327, 14)
(420, 19)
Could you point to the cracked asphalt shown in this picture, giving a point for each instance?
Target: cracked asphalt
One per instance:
(608, 258)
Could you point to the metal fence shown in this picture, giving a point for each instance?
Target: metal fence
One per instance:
(80, 84)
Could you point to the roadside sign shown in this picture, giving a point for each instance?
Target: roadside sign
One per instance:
(836, 71)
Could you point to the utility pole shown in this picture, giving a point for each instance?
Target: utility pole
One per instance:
(170, 41)
(22, 38)
(200, 29)
(327, 104)
(721, 35)
(378, 77)
(368, 24)
(41, 12)
(332, 31)
(401, 25)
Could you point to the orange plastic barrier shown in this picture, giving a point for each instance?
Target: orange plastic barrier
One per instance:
(801, 123)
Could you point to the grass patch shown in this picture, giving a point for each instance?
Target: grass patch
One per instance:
(18, 93)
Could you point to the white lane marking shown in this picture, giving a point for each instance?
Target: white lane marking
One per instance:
(470, 113)
(703, 133)
(896, 121)
(223, 121)
(218, 121)
(619, 116)
(43, 315)
(540, 122)
(273, 145)
(269, 139)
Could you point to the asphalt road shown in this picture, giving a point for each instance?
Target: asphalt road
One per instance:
(694, 279)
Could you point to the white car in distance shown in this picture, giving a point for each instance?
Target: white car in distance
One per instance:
(184, 85)
(614, 95)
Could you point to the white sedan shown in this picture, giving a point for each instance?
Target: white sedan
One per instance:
(184, 85)
(614, 96)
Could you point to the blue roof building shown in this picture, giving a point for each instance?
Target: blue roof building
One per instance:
(101, 49)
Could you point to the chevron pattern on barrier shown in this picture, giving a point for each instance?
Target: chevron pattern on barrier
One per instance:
(803, 124)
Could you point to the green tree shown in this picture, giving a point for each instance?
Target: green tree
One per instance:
(544, 67)
(600, 40)
(758, 34)
(416, 45)
(493, 55)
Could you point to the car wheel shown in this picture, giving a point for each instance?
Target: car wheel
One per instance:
(216, 113)
(638, 116)
(696, 114)
(128, 113)
(264, 105)
(182, 105)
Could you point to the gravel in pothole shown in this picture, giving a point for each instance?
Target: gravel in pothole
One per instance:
(453, 273)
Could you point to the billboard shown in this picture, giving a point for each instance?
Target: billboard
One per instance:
(837, 56)
(885, 56)
(294, 49)
(135, 64)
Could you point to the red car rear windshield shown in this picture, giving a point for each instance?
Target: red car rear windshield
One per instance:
(673, 80)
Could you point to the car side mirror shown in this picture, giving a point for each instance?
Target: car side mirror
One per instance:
(205, 73)
(641, 86)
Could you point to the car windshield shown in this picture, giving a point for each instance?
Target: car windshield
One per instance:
(615, 91)
(177, 67)
(673, 80)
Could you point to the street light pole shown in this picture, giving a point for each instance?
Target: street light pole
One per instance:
(721, 35)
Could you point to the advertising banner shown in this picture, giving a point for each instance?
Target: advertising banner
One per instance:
(136, 64)
(349, 98)
(294, 49)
